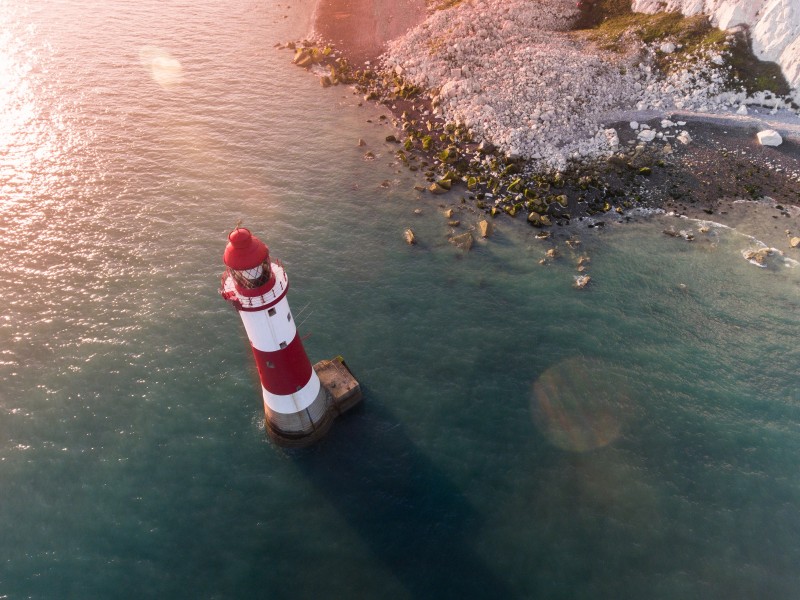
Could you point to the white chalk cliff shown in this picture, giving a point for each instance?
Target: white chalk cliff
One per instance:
(774, 25)
(511, 72)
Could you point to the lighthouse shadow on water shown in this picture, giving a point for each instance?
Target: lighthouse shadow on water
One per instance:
(406, 511)
(413, 519)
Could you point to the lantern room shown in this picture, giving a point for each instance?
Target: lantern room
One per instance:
(247, 259)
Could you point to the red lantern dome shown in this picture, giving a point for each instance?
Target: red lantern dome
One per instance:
(244, 250)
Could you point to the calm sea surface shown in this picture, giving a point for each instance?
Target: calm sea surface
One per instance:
(636, 439)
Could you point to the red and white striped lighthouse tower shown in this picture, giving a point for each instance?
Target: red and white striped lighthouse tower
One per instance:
(296, 405)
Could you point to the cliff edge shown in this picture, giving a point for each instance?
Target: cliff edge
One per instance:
(774, 25)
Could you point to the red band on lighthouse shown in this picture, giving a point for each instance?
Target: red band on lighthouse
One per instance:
(284, 371)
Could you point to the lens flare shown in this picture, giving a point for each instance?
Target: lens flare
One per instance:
(165, 70)
(580, 404)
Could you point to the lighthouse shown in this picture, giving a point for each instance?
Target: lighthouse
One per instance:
(298, 406)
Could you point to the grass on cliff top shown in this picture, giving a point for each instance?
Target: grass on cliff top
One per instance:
(611, 22)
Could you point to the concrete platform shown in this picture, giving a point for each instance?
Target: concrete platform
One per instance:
(344, 392)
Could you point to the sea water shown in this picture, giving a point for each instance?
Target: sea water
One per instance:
(519, 438)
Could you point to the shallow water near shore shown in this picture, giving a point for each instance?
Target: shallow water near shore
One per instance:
(519, 438)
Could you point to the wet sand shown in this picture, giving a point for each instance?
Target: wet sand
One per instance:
(726, 176)
(361, 28)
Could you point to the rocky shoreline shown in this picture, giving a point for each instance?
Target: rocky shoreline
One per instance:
(674, 160)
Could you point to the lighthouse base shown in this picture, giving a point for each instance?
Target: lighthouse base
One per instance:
(339, 392)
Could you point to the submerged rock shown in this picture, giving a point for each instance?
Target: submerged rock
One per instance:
(581, 281)
(409, 236)
(758, 257)
(463, 241)
(683, 233)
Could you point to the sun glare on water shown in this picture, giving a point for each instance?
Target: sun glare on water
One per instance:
(17, 114)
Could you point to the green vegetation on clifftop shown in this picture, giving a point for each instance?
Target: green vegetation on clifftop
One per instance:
(613, 26)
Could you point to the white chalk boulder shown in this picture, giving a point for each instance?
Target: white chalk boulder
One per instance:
(770, 137)
(612, 137)
(646, 135)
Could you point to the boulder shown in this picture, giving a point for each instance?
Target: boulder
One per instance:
(769, 137)
(794, 242)
(646, 135)
(486, 228)
(612, 138)
(448, 213)
(758, 257)
(538, 220)
(435, 188)
(463, 241)
(303, 57)
(409, 236)
(667, 48)
(581, 281)
(684, 138)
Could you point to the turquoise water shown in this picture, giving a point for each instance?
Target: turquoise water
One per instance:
(520, 438)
